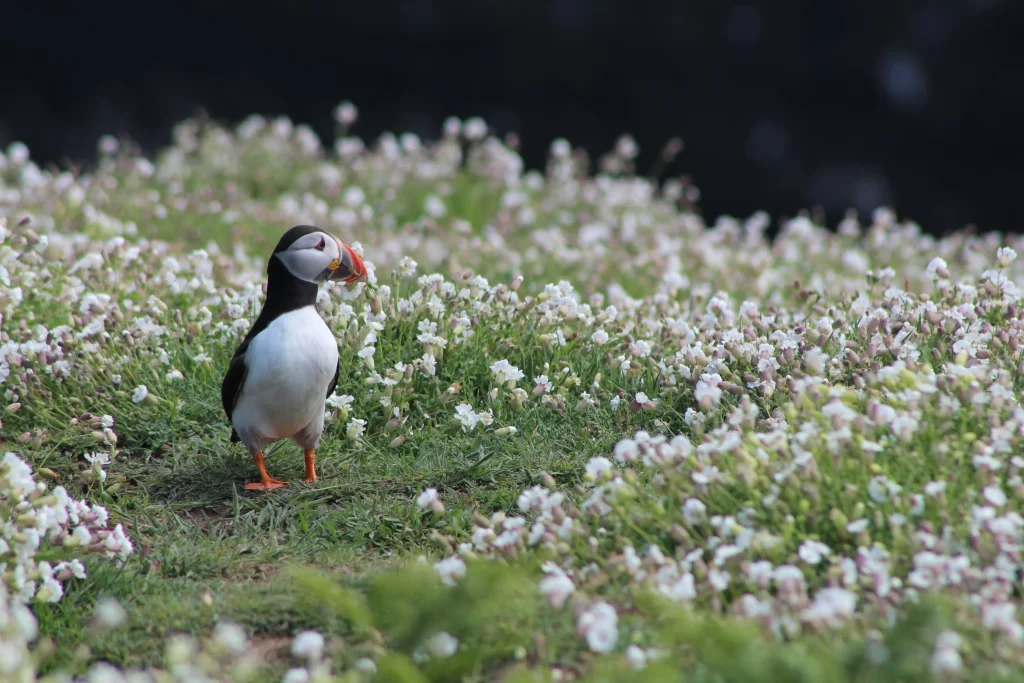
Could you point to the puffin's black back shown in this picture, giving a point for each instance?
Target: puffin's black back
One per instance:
(285, 293)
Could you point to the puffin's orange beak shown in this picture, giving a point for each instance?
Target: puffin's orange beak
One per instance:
(351, 267)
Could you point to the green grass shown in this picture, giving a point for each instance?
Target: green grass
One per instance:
(180, 493)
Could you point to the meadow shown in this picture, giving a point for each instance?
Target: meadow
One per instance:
(581, 431)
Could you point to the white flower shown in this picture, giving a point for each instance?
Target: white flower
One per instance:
(505, 372)
(707, 394)
(97, 458)
(50, 590)
(343, 401)
(600, 337)
(140, 393)
(857, 526)
(719, 579)
(355, 429)
(450, 569)
(596, 467)
(296, 675)
(308, 645)
(99, 672)
(636, 658)
(466, 417)
(81, 536)
(683, 590)
(474, 128)
(599, 625)
(1005, 256)
(831, 606)
(109, 613)
(946, 657)
(937, 268)
(346, 113)
(812, 552)
(640, 348)
(557, 587)
(442, 644)
(995, 496)
(366, 665)
(434, 207)
(407, 267)
(231, 636)
(694, 511)
(626, 451)
(427, 497)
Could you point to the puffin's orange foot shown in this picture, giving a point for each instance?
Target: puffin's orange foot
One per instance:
(310, 467)
(266, 482)
(268, 485)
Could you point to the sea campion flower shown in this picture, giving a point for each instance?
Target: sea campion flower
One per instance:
(599, 625)
(41, 519)
(506, 373)
(556, 586)
(451, 569)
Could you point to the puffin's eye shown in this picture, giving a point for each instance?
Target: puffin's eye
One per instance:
(322, 245)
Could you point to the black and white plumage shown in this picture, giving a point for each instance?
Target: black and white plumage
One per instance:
(281, 375)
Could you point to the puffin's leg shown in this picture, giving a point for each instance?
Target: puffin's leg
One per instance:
(310, 467)
(266, 482)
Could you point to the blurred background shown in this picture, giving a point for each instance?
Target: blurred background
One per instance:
(782, 105)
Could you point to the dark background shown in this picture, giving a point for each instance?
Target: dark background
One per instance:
(782, 105)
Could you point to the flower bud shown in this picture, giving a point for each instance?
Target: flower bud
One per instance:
(442, 542)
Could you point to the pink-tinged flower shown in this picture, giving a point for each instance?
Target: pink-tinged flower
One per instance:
(556, 586)
(694, 511)
(599, 624)
(995, 496)
(813, 552)
(831, 607)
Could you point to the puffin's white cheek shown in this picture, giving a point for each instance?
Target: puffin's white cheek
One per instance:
(306, 265)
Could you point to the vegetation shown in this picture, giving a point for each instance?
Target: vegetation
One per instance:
(579, 434)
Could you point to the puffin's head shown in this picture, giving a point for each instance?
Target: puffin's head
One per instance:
(311, 254)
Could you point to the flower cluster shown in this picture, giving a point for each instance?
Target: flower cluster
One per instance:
(229, 655)
(37, 520)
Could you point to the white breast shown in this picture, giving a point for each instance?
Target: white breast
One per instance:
(289, 366)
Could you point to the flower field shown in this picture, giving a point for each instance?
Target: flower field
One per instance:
(581, 432)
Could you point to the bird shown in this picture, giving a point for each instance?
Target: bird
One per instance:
(279, 378)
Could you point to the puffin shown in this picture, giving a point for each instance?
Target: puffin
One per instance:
(280, 377)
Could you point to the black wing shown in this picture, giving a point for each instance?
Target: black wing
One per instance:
(234, 379)
(231, 388)
(334, 382)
